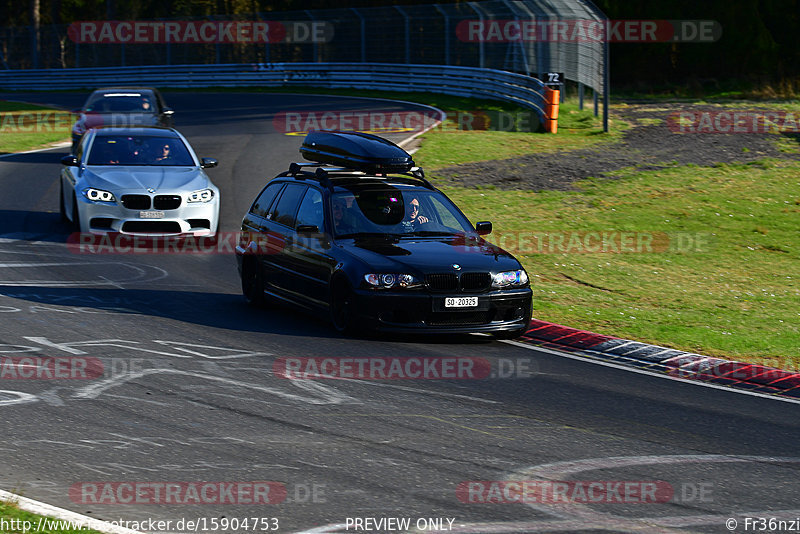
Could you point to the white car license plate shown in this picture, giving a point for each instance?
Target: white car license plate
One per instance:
(151, 214)
(460, 302)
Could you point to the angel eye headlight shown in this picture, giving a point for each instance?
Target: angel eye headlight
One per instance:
(387, 280)
(204, 195)
(510, 278)
(98, 195)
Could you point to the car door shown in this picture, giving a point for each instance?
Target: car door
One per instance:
(279, 227)
(254, 237)
(308, 255)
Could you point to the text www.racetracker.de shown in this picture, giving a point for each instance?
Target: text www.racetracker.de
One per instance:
(198, 524)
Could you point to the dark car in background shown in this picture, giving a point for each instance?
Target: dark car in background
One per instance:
(121, 107)
(373, 245)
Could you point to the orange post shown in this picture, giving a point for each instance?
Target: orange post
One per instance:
(551, 99)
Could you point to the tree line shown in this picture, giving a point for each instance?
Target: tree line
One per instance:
(759, 41)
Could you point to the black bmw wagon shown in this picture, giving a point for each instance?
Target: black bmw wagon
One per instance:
(361, 236)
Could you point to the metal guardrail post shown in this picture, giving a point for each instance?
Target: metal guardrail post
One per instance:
(314, 46)
(606, 82)
(481, 52)
(446, 33)
(407, 33)
(512, 7)
(580, 96)
(363, 34)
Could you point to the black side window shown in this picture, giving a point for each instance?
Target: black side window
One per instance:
(284, 209)
(264, 200)
(310, 211)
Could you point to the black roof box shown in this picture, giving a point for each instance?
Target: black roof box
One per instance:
(355, 150)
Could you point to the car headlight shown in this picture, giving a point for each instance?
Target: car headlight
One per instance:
(510, 278)
(204, 195)
(387, 280)
(98, 195)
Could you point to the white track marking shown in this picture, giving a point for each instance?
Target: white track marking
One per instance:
(7, 397)
(325, 395)
(423, 391)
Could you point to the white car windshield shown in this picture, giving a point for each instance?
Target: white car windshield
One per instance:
(139, 150)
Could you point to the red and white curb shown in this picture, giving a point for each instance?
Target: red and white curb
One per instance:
(675, 363)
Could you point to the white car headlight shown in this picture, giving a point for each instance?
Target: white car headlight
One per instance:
(510, 278)
(98, 195)
(204, 195)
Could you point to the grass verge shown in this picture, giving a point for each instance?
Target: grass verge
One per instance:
(720, 277)
(28, 126)
(13, 520)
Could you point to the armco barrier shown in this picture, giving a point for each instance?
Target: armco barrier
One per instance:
(471, 82)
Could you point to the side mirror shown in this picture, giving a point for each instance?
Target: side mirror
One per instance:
(308, 229)
(69, 161)
(208, 163)
(483, 228)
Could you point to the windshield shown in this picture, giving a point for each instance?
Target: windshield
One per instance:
(121, 103)
(139, 150)
(395, 212)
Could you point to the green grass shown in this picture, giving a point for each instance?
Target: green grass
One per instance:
(13, 516)
(28, 126)
(736, 296)
(449, 145)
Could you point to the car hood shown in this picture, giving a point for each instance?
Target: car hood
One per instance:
(115, 178)
(117, 120)
(429, 255)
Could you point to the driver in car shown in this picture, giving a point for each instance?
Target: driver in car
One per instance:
(342, 220)
(413, 219)
(164, 153)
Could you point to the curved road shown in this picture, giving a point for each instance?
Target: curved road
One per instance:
(188, 392)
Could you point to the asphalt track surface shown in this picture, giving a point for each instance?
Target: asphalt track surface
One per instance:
(188, 392)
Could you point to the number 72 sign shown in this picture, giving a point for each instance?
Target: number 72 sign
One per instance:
(552, 78)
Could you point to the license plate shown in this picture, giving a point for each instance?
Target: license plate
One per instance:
(151, 214)
(460, 302)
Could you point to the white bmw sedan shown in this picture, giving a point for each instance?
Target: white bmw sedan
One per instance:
(139, 181)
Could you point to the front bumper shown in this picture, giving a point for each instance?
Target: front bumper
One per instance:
(195, 219)
(422, 311)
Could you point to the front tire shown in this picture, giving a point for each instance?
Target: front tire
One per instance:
(341, 306)
(62, 208)
(252, 283)
(76, 215)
